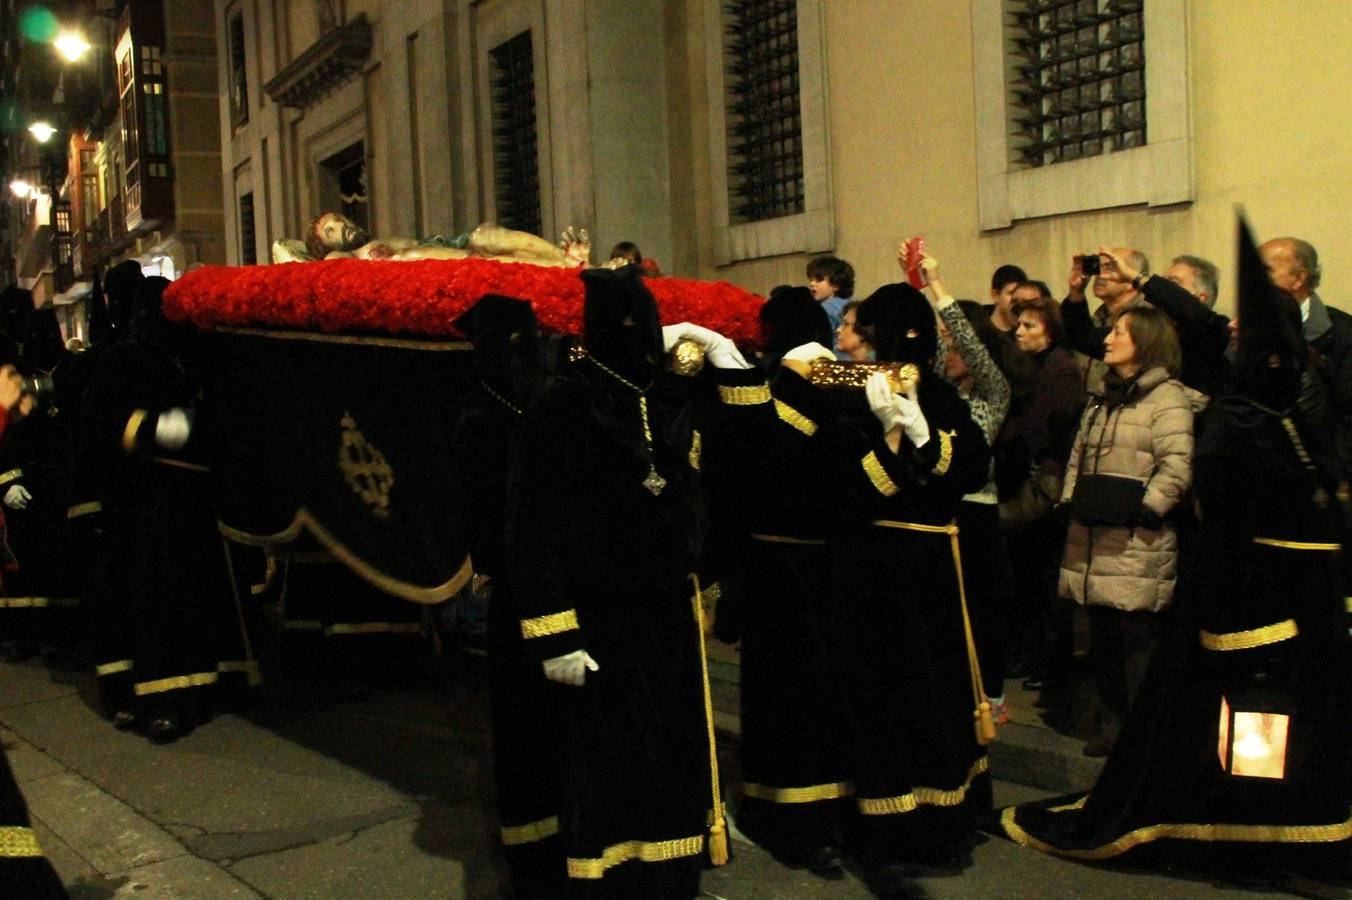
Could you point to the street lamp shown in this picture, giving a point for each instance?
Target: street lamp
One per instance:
(43, 131)
(20, 188)
(72, 45)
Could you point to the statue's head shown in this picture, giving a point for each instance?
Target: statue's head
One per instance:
(331, 231)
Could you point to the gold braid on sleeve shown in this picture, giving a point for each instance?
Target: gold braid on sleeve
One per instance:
(794, 418)
(873, 467)
(945, 453)
(544, 626)
(744, 396)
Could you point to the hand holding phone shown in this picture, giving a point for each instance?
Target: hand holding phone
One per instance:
(915, 250)
(1089, 264)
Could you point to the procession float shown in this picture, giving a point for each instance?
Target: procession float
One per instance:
(340, 375)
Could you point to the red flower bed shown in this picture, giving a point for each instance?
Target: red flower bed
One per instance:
(425, 296)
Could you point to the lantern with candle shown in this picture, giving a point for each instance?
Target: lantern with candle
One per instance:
(1254, 727)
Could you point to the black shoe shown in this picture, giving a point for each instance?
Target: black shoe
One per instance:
(827, 862)
(892, 879)
(164, 730)
(123, 720)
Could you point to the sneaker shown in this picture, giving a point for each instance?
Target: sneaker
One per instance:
(1000, 713)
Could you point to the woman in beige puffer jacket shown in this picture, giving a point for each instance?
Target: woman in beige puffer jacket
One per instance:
(1140, 428)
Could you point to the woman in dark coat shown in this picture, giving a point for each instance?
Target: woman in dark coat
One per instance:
(1267, 624)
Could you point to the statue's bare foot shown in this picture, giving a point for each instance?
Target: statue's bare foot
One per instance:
(576, 246)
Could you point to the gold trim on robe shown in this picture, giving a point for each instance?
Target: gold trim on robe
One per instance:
(785, 539)
(545, 626)
(129, 432)
(923, 796)
(744, 396)
(112, 668)
(878, 475)
(811, 794)
(1253, 637)
(18, 842)
(945, 453)
(516, 835)
(175, 683)
(794, 418)
(374, 628)
(1258, 834)
(644, 851)
(84, 509)
(11, 475)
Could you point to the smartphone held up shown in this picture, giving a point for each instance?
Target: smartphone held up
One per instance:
(915, 249)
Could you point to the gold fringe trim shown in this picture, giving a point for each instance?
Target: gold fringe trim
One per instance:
(744, 396)
(1259, 834)
(84, 509)
(305, 521)
(696, 448)
(1247, 640)
(175, 683)
(18, 842)
(923, 796)
(11, 475)
(316, 337)
(129, 432)
(873, 468)
(544, 626)
(813, 794)
(644, 851)
(1295, 545)
(794, 418)
(248, 666)
(112, 668)
(374, 628)
(945, 453)
(785, 539)
(516, 835)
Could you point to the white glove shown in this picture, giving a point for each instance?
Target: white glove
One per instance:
(17, 497)
(173, 428)
(718, 350)
(894, 410)
(806, 353)
(571, 668)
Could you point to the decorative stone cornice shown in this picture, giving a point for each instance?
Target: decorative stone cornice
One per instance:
(338, 55)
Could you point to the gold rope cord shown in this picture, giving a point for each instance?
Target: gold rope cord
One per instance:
(1258, 834)
(984, 721)
(545, 626)
(718, 833)
(17, 842)
(812, 794)
(1253, 637)
(644, 851)
(923, 796)
(785, 539)
(1295, 545)
(516, 835)
(304, 520)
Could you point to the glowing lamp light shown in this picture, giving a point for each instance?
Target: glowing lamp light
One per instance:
(71, 45)
(43, 131)
(20, 188)
(1253, 732)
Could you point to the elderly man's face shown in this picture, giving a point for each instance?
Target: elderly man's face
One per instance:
(1284, 269)
(1183, 275)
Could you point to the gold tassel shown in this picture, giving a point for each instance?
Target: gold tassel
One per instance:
(985, 723)
(718, 830)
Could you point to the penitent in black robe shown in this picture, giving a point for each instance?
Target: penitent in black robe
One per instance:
(600, 563)
(525, 761)
(1269, 612)
(895, 625)
(168, 633)
(24, 870)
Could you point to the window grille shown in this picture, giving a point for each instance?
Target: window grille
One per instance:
(764, 122)
(248, 252)
(516, 168)
(1077, 86)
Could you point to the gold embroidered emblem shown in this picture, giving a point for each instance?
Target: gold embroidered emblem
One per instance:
(365, 468)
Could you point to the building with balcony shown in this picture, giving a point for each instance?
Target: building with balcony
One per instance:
(133, 171)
